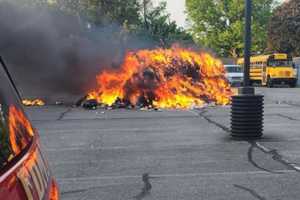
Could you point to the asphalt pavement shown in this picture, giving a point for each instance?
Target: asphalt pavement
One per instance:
(172, 154)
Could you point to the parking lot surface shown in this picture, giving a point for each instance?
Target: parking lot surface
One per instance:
(182, 154)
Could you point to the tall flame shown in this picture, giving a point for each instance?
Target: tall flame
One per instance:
(167, 78)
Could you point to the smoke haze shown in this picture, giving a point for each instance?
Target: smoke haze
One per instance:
(49, 53)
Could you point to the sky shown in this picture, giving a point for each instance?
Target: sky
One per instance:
(176, 9)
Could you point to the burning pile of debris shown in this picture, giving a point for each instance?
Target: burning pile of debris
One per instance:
(163, 78)
(34, 102)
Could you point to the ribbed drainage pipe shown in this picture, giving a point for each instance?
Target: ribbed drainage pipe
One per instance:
(247, 114)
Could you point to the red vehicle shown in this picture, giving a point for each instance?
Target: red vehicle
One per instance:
(24, 171)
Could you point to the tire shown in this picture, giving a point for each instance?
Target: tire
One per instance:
(251, 83)
(293, 84)
(269, 82)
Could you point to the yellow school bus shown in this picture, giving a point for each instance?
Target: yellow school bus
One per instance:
(268, 70)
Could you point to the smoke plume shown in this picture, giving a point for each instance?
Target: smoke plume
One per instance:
(50, 53)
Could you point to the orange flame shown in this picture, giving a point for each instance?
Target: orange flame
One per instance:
(35, 102)
(169, 78)
(20, 130)
(54, 191)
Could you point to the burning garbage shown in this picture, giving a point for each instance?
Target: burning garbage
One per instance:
(34, 102)
(90, 104)
(163, 78)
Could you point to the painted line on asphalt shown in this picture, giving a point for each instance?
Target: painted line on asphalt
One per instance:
(115, 118)
(135, 147)
(95, 178)
(89, 148)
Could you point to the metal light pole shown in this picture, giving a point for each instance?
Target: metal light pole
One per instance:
(247, 54)
(247, 107)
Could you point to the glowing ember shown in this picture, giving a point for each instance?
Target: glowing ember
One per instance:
(164, 78)
(35, 102)
(18, 125)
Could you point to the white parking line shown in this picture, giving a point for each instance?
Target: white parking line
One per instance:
(214, 174)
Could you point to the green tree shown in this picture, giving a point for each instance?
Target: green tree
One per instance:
(157, 26)
(95, 11)
(284, 28)
(102, 11)
(219, 24)
(138, 17)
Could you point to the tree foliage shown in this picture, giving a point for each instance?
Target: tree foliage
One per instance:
(219, 24)
(102, 11)
(95, 11)
(284, 28)
(139, 17)
(158, 26)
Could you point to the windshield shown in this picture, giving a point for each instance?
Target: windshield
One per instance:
(233, 69)
(280, 63)
(16, 131)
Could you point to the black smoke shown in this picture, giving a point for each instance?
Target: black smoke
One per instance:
(51, 53)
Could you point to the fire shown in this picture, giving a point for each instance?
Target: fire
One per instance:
(164, 78)
(20, 130)
(35, 102)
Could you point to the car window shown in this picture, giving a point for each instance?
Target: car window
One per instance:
(16, 131)
(233, 69)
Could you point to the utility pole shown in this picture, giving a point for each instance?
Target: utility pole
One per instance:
(247, 108)
(145, 8)
(247, 54)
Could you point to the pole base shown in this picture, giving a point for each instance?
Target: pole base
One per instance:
(247, 114)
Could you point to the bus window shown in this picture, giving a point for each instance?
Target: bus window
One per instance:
(280, 63)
